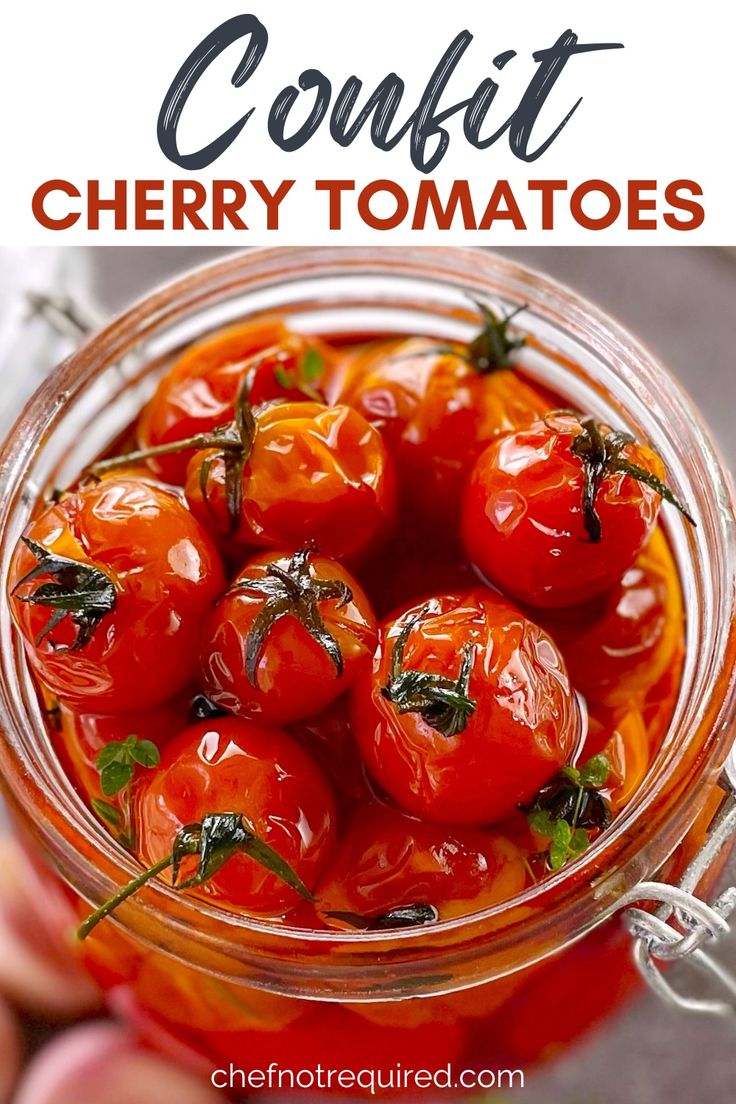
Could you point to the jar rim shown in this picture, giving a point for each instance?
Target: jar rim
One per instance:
(486, 273)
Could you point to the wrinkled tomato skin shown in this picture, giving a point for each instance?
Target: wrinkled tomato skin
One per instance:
(315, 474)
(386, 860)
(228, 765)
(617, 648)
(167, 575)
(295, 678)
(525, 726)
(198, 393)
(436, 413)
(523, 525)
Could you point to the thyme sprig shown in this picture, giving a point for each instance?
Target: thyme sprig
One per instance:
(292, 591)
(80, 591)
(214, 840)
(442, 702)
(601, 453)
(568, 807)
(117, 763)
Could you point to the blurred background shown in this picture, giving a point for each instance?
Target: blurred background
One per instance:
(681, 302)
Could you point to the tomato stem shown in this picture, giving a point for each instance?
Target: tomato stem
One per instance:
(442, 703)
(215, 840)
(80, 591)
(292, 592)
(122, 895)
(601, 453)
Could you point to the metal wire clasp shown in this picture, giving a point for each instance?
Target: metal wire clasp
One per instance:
(682, 924)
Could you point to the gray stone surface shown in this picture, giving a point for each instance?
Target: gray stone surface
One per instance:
(682, 302)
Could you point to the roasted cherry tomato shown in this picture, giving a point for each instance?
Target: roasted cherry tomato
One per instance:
(389, 865)
(295, 473)
(82, 737)
(467, 711)
(291, 634)
(109, 590)
(618, 647)
(555, 514)
(231, 766)
(199, 391)
(328, 737)
(438, 406)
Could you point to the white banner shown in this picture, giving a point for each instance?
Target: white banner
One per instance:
(276, 122)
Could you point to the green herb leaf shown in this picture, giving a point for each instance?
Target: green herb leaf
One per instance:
(117, 761)
(312, 366)
(146, 754)
(595, 772)
(115, 777)
(284, 378)
(541, 822)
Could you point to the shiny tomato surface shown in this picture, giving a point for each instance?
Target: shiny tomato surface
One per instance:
(291, 634)
(436, 412)
(379, 743)
(387, 860)
(198, 391)
(314, 473)
(161, 573)
(523, 727)
(523, 516)
(226, 765)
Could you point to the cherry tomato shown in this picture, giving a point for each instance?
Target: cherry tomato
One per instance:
(80, 737)
(467, 711)
(328, 737)
(227, 765)
(199, 391)
(308, 473)
(437, 408)
(291, 634)
(619, 646)
(387, 860)
(110, 591)
(553, 516)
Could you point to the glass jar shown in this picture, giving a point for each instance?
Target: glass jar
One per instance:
(244, 990)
